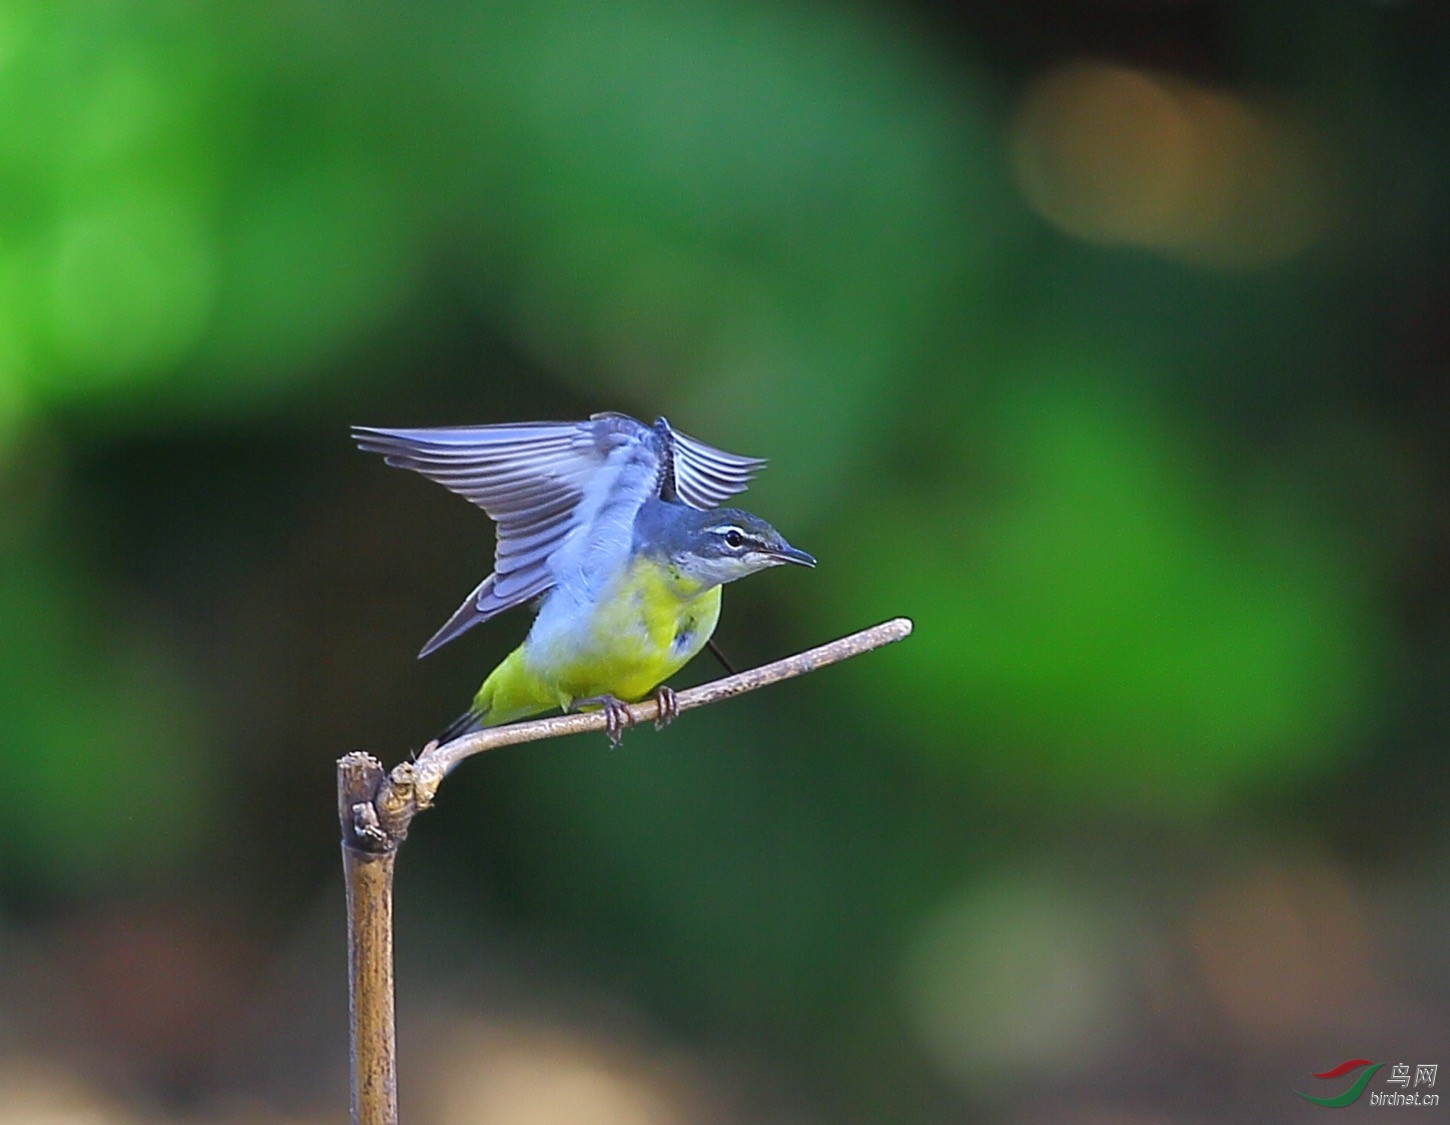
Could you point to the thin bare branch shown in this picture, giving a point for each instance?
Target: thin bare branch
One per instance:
(412, 786)
(376, 809)
(367, 864)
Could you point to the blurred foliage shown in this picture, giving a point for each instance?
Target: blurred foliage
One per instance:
(1100, 614)
(1106, 340)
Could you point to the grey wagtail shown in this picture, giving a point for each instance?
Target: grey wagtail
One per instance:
(613, 526)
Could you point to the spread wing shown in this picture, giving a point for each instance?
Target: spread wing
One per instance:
(701, 475)
(545, 482)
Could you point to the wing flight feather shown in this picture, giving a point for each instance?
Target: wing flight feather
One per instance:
(541, 480)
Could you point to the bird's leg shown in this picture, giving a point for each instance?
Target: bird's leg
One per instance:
(617, 716)
(719, 655)
(669, 706)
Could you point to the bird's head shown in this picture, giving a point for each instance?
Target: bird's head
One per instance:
(719, 545)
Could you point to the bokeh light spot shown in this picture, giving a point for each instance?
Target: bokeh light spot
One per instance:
(538, 1075)
(1017, 975)
(1108, 154)
(1120, 156)
(40, 1091)
(1283, 949)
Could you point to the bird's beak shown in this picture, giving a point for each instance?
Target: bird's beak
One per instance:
(787, 554)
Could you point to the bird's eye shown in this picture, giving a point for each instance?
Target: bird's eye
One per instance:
(733, 538)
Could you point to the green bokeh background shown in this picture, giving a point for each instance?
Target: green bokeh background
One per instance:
(1145, 822)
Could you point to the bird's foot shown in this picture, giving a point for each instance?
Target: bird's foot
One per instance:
(669, 706)
(617, 715)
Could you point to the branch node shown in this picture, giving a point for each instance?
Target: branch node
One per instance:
(369, 831)
(359, 777)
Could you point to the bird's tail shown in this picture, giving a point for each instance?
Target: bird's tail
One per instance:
(466, 723)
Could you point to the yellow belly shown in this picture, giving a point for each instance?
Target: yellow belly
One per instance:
(639, 634)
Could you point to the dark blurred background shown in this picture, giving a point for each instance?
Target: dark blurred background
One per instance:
(1110, 341)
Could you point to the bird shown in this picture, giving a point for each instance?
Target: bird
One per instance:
(614, 530)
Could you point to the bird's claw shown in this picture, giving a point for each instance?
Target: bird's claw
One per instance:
(617, 715)
(669, 705)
